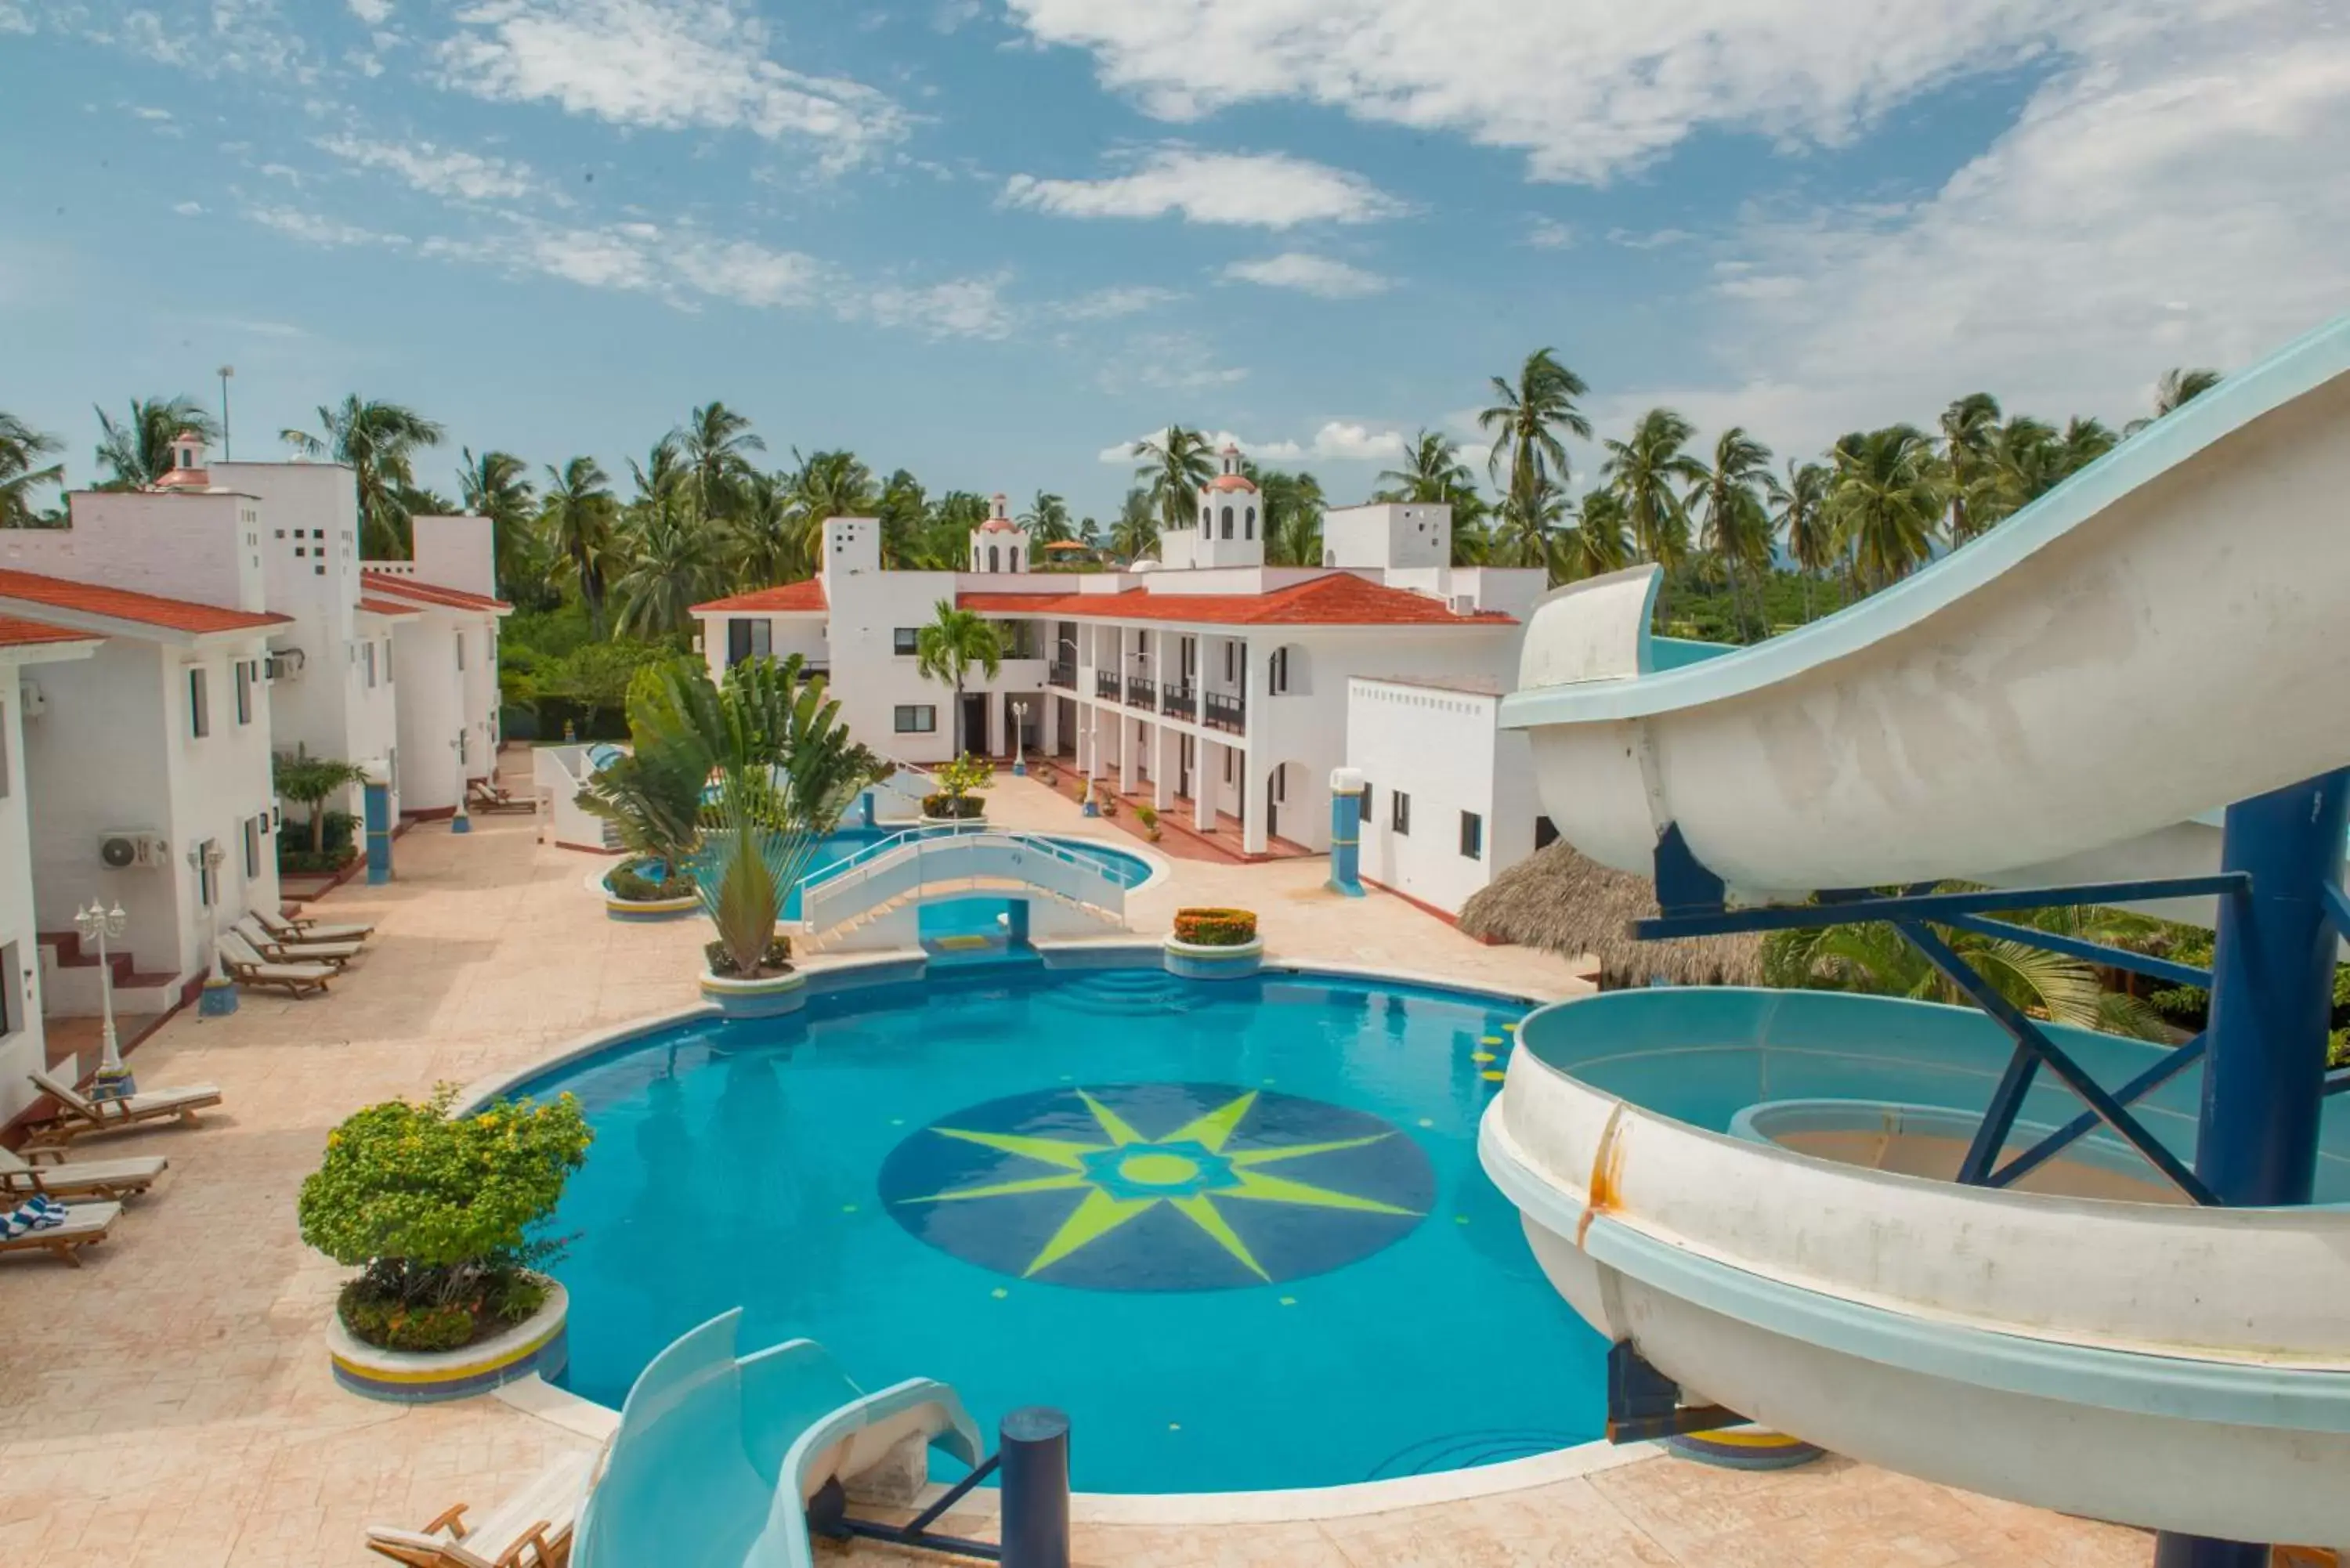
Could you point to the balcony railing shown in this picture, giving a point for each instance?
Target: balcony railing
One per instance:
(1106, 684)
(1223, 712)
(1063, 676)
(1141, 691)
(1180, 700)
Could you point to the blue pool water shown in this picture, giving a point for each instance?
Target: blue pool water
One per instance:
(1236, 1229)
(826, 860)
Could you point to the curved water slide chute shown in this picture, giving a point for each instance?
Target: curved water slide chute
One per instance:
(1754, 1191)
(718, 1456)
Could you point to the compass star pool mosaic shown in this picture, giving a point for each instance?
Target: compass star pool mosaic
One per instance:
(1159, 1187)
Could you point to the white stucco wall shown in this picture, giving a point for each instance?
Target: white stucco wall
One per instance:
(21, 1035)
(205, 547)
(1445, 749)
(429, 704)
(458, 553)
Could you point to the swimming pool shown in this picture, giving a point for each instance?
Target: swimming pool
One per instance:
(1236, 1229)
(837, 851)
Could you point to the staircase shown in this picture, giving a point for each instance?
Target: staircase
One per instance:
(1126, 993)
(847, 906)
(71, 987)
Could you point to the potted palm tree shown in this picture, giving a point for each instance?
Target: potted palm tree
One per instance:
(653, 801)
(946, 649)
(782, 770)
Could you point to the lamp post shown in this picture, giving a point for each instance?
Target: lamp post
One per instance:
(227, 373)
(461, 823)
(219, 997)
(98, 924)
(1019, 740)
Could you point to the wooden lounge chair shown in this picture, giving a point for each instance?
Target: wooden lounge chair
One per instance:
(302, 928)
(532, 1529)
(78, 1116)
(113, 1179)
(481, 794)
(273, 950)
(247, 967)
(85, 1225)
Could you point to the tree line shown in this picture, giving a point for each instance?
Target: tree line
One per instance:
(1758, 546)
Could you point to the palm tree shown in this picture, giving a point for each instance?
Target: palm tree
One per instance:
(1526, 419)
(1294, 504)
(1136, 532)
(2175, 389)
(1432, 473)
(1736, 529)
(945, 650)
(496, 485)
(1048, 519)
(577, 521)
(1174, 466)
(2082, 443)
(1600, 542)
(1801, 516)
(663, 472)
(903, 509)
(378, 441)
(670, 563)
(1886, 500)
(713, 443)
(1531, 518)
(1647, 470)
(832, 484)
(1970, 429)
(138, 452)
(771, 536)
(21, 446)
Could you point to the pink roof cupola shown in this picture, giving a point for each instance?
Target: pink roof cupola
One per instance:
(1231, 478)
(187, 470)
(999, 514)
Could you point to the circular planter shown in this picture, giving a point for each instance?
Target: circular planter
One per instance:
(1193, 962)
(650, 909)
(536, 1344)
(769, 996)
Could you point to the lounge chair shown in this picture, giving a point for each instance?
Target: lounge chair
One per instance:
(532, 1529)
(78, 1116)
(481, 794)
(247, 967)
(301, 928)
(112, 1179)
(85, 1225)
(276, 951)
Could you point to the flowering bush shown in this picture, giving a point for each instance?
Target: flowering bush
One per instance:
(437, 1213)
(1210, 928)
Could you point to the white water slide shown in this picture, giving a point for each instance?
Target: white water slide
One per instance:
(1752, 1187)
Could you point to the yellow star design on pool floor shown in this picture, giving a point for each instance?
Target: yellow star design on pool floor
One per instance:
(1130, 1175)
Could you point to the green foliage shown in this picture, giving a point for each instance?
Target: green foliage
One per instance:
(311, 782)
(775, 957)
(635, 884)
(963, 775)
(1215, 928)
(438, 1210)
(955, 642)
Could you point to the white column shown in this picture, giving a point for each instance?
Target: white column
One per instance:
(1048, 724)
(1129, 752)
(1207, 777)
(1254, 801)
(1164, 763)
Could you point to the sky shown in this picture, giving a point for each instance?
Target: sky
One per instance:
(995, 241)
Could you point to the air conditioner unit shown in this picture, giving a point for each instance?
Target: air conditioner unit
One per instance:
(31, 701)
(1465, 604)
(130, 849)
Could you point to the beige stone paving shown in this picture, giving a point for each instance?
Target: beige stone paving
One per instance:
(170, 1403)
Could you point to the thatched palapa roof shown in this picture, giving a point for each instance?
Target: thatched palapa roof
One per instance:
(1559, 899)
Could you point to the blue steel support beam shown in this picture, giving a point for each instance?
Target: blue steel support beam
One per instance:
(2000, 1120)
(2079, 948)
(2080, 1126)
(2337, 907)
(1939, 906)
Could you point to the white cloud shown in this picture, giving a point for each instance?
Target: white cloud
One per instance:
(699, 65)
(1167, 361)
(374, 13)
(964, 307)
(1266, 190)
(952, 15)
(189, 209)
(15, 19)
(1309, 274)
(1108, 303)
(1649, 240)
(207, 37)
(2179, 198)
(1644, 78)
(156, 114)
(1336, 441)
(438, 172)
(1549, 234)
(315, 229)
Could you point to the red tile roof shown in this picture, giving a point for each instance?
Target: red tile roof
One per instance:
(807, 596)
(429, 593)
(18, 633)
(1338, 599)
(385, 606)
(121, 604)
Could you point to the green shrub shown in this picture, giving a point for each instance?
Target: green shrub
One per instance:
(961, 776)
(777, 959)
(632, 886)
(1211, 928)
(438, 1212)
(960, 807)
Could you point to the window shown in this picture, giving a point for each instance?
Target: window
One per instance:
(244, 691)
(367, 659)
(207, 877)
(1363, 812)
(200, 708)
(386, 661)
(904, 640)
(461, 748)
(253, 826)
(1248, 524)
(1231, 651)
(1473, 835)
(1277, 673)
(1203, 519)
(1399, 812)
(917, 719)
(748, 639)
(14, 985)
(1227, 520)
(1013, 553)
(991, 558)
(460, 650)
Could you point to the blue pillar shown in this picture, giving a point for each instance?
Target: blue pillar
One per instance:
(377, 810)
(865, 807)
(1346, 833)
(1035, 1481)
(2272, 996)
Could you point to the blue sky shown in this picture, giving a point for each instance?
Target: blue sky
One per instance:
(995, 240)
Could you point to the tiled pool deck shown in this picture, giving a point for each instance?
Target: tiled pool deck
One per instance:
(169, 1404)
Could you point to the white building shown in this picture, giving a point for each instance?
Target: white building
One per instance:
(1448, 796)
(1210, 682)
(26, 647)
(443, 608)
(146, 769)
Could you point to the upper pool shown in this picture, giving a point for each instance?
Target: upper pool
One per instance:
(1236, 1229)
(844, 847)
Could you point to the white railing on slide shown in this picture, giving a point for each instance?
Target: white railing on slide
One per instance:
(909, 866)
